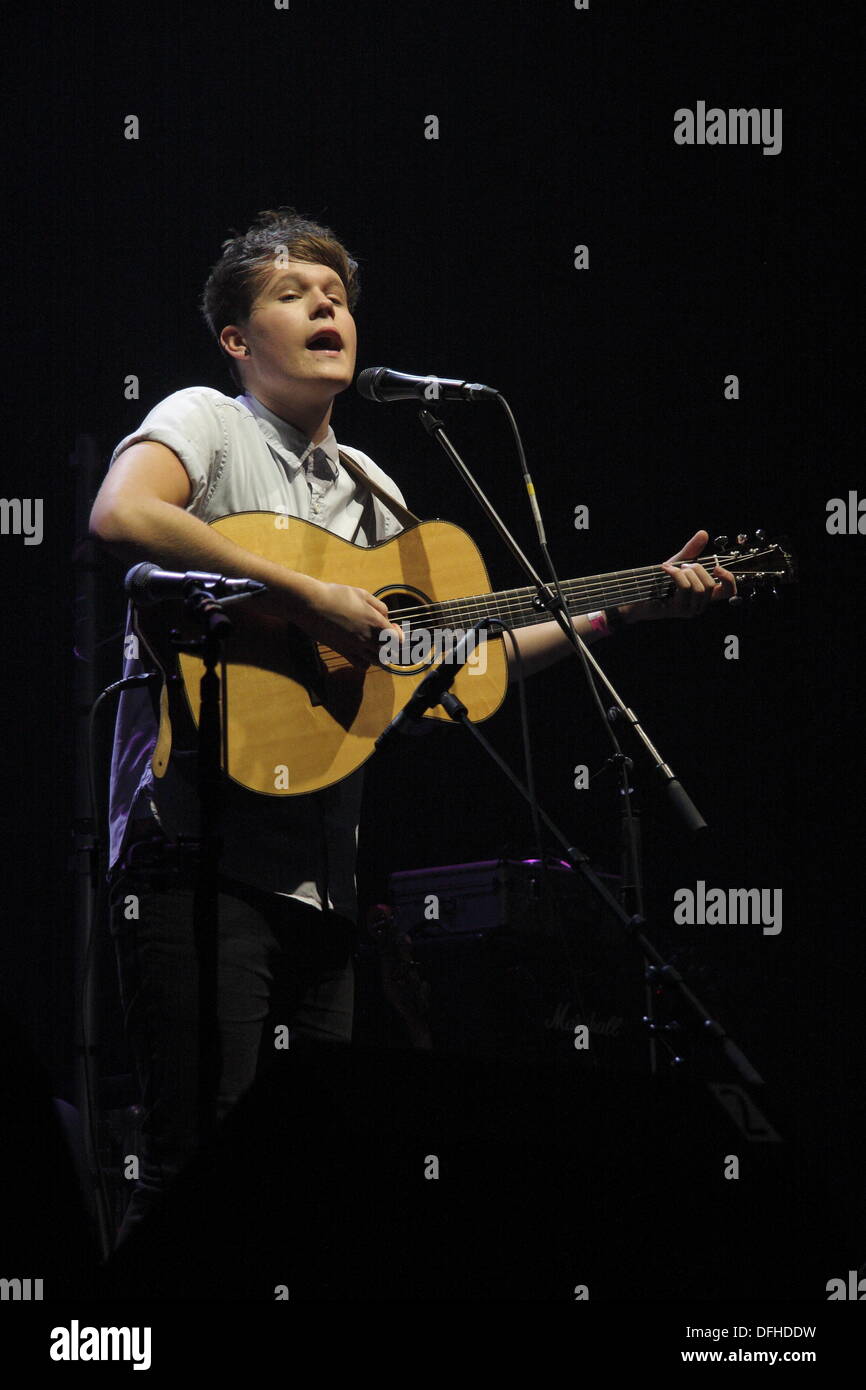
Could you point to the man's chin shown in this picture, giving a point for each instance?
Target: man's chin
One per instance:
(314, 389)
(333, 381)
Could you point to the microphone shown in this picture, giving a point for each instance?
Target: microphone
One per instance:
(147, 583)
(434, 685)
(381, 384)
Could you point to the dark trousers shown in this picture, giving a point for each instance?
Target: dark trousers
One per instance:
(279, 963)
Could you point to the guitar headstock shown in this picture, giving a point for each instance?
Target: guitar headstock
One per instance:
(759, 567)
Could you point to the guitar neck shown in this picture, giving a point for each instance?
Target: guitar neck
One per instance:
(521, 607)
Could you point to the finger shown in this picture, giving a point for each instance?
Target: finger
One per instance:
(726, 583)
(679, 575)
(706, 583)
(702, 589)
(379, 621)
(690, 597)
(692, 578)
(692, 548)
(380, 617)
(374, 602)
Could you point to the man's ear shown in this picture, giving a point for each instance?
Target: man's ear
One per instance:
(233, 342)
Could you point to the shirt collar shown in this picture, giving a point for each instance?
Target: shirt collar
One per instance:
(292, 440)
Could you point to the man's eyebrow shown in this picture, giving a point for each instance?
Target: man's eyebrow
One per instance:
(296, 278)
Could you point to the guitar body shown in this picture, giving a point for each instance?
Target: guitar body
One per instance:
(299, 716)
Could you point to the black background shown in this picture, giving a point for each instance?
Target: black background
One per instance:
(556, 128)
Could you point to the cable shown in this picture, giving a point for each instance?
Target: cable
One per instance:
(99, 909)
(542, 538)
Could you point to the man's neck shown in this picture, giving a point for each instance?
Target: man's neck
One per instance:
(312, 421)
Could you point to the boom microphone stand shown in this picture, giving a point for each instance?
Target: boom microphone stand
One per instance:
(210, 616)
(633, 924)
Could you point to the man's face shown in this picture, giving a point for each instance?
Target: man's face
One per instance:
(301, 335)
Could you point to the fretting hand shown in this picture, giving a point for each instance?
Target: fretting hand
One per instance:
(693, 588)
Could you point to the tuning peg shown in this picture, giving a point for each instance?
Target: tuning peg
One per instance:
(721, 543)
(742, 540)
(760, 536)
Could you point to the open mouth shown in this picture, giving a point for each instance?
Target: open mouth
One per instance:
(327, 340)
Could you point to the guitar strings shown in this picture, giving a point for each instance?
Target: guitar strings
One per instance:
(524, 604)
(622, 585)
(443, 615)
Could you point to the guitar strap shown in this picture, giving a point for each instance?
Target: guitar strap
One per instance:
(403, 515)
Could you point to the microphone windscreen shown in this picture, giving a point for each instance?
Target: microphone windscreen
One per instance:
(366, 382)
(136, 581)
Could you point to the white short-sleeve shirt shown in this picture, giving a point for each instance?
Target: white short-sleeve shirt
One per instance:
(241, 457)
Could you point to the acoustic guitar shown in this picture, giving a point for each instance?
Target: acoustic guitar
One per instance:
(298, 715)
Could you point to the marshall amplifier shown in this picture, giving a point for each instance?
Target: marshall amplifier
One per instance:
(500, 959)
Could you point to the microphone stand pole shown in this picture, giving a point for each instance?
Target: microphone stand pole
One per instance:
(215, 625)
(658, 970)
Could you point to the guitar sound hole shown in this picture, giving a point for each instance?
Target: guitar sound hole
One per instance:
(416, 651)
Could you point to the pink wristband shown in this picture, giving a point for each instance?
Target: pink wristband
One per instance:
(598, 622)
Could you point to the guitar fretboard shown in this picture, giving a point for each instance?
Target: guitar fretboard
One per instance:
(521, 607)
